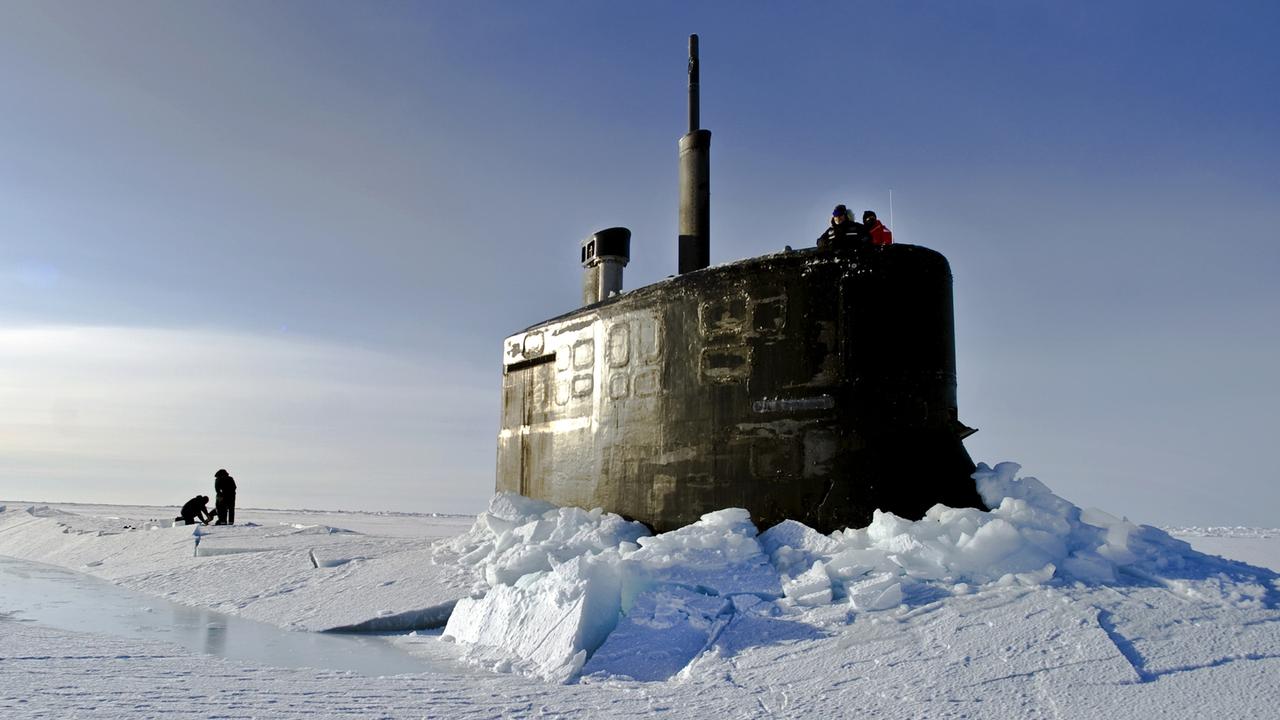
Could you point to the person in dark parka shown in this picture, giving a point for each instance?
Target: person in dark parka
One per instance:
(844, 232)
(195, 510)
(224, 487)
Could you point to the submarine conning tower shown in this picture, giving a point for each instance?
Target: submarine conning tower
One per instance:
(814, 385)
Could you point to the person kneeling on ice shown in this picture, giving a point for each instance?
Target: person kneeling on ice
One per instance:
(196, 510)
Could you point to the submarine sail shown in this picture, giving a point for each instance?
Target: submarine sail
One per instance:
(817, 385)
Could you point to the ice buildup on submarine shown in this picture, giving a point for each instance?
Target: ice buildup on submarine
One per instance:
(814, 385)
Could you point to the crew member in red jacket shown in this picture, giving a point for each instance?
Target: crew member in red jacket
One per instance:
(880, 234)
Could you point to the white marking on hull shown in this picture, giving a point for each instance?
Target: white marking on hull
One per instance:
(555, 426)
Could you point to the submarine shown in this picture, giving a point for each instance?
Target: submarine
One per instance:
(817, 385)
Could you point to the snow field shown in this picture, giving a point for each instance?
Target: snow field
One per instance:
(1034, 609)
(256, 570)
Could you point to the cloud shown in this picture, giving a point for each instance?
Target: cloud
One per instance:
(114, 414)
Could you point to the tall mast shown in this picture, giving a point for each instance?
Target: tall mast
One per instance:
(695, 180)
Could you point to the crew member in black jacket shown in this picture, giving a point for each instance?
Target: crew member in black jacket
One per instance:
(195, 510)
(844, 232)
(224, 487)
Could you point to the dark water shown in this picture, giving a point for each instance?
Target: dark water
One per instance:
(60, 598)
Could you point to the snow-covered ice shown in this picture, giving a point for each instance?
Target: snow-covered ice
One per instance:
(1036, 608)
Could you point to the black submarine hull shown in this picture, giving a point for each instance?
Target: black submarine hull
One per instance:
(812, 385)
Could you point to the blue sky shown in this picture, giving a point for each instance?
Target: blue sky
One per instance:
(287, 238)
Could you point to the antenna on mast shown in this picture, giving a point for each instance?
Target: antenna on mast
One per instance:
(694, 120)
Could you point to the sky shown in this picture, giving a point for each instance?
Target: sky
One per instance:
(288, 238)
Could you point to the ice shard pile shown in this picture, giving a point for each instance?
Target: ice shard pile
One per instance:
(562, 592)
